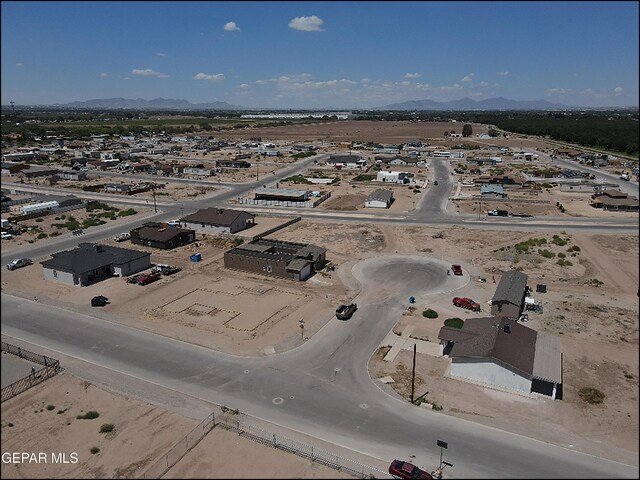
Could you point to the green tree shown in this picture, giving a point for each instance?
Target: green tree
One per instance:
(467, 130)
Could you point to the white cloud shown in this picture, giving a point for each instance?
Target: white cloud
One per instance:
(19, 65)
(617, 91)
(468, 78)
(231, 27)
(551, 91)
(209, 78)
(243, 85)
(483, 84)
(126, 78)
(307, 24)
(104, 75)
(160, 54)
(503, 74)
(412, 75)
(147, 72)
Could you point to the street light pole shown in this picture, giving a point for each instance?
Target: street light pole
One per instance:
(155, 208)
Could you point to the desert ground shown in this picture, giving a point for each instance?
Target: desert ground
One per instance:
(141, 435)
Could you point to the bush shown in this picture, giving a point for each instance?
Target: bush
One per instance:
(88, 416)
(39, 219)
(574, 248)
(94, 450)
(454, 322)
(564, 263)
(428, 313)
(558, 241)
(50, 407)
(591, 395)
(106, 428)
(561, 255)
(126, 213)
(42, 235)
(546, 253)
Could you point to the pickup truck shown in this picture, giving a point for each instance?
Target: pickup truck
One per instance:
(344, 312)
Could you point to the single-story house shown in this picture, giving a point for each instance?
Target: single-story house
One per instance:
(219, 220)
(615, 200)
(508, 300)
(92, 262)
(499, 352)
(9, 168)
(274, 258)
(395, 177)
(492, 190)
(161, 235)
(232, 163)
(346, 161)
(379, 199)
(411, 161)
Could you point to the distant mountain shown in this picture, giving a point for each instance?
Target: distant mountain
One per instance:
(498, 103)
(155, 104)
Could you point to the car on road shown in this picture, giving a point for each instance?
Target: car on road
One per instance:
(401, 469)
(344, 312)
(456, 269)
(498, 213)
(464, 302)
(99, 301)
(18, 263)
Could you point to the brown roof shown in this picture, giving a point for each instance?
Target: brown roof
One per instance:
(215, 216)
(487, 338)
(160, 232)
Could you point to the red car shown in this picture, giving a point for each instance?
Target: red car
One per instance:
(148, 278)
(464, 302)
(400, 469)
(456, 269)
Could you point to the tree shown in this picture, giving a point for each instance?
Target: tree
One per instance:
(467, 130)
(446, 133)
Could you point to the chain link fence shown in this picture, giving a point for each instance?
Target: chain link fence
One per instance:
(51, 368)
(180, 449)
(244, 427)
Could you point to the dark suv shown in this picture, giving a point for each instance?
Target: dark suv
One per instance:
(344, 312)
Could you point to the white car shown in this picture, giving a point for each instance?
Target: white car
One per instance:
(6, 236)
(122, 237)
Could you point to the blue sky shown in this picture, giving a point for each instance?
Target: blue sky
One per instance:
(320, 54)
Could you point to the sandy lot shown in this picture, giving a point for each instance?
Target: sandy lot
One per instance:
(142, 434)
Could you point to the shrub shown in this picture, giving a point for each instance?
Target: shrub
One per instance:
(55, 233)
(591, 395)
(94, 450)
(428, 313)
(126, 213)
(42, 235)
(454, 322)
(564, 263)
(106, 428)
(88, 416)
(39, 219)
(558, 241)
(50, 407)
(561, 255)
(546, 253)
(574, 248)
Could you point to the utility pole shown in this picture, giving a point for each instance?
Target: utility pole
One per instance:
(256, 170)
(13, 110)
(413, 372)
(153, 191)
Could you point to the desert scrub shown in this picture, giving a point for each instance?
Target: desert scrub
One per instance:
(106, 428)
(591, 395)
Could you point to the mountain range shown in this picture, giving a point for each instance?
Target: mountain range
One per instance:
(498, 103)
(468, 104)
(154, 104)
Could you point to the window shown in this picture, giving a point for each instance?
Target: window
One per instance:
(269, 268)
(55, 274)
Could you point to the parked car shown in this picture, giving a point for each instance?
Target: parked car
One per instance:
(344, 312)
(19, 262)
(122, 237)
(6, 236)
(99, 301)
(400, 469)
(147, 278)
(456, 269)
(464, 302)
(498, 213)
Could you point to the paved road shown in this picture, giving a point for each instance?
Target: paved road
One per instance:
(321, 388)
